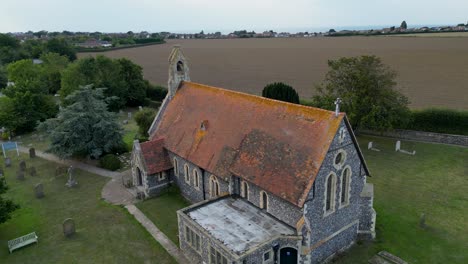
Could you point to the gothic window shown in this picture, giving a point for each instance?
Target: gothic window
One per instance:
(186, 174)
(345, 186)
(180, 66)
(263, 200)
(245, 190)
(196, 178)
(330, 190)
(176, 167)
(214, 187)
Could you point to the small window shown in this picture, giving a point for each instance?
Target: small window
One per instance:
(267, 257)
(245, 190)
(216, 257)
(176, 167)
(339, 158)
(196, 178)
(180, 66)
(263, 200)
(192, 238)
(214, 187)
(161, 176)
(186, 174)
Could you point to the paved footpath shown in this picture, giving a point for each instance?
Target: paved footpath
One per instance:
(167, 244)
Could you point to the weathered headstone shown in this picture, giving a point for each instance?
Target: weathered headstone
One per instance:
(22, 165)
(32, 171)
(68, 227)
(20, 175)
(140, 108)
(398, 145)
(369, 145)
(8, 162)
(39, 190)
(129, 115)
(71, 180)
(422, 221)
(32, 153)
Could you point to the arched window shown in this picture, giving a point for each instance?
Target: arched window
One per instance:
(196, 178)
(263, 200)
(186, 174)
(180, 66)
(214, 187)
(245, 190)
(176, 167)
(330, 190)
(345, 186)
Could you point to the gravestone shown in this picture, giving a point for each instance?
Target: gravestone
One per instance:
(8, 162)
(20, 175)
(371, 146)
(140, 108)
(32, 171)
(22, 165)
(129, 115)
(32, 153)
(39, 190)
(68, 227)
(422, 221)
(398, 145)
(71, 180)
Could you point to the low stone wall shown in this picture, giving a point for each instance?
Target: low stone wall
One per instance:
(421, 136)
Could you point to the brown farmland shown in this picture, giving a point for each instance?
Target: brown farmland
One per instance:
(432, 72)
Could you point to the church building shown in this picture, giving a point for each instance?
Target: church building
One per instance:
(269, 181)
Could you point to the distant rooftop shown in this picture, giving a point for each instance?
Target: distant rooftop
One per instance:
(238, 224)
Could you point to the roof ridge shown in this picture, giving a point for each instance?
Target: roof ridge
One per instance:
(261, 97)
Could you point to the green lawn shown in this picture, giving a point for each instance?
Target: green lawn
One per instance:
(162, 211)
(434, 182)
(105, 233)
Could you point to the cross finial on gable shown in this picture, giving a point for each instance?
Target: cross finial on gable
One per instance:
(337, 103)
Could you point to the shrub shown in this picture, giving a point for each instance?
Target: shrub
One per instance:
(156, 92)
(281, 91)
(439, 121)
(110, 162)
(144, 119)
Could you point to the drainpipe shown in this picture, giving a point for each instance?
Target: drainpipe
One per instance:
(275, 252)
(203, 182)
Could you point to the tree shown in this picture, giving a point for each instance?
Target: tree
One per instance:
(6, 206)
(84, 127)
(281, 91)
(367, 89)
(3, 77)
(134, 82)
(51, 70)
(144, 119)
(404, 25)
(62, 47)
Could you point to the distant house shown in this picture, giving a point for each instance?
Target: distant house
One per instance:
(92, 43)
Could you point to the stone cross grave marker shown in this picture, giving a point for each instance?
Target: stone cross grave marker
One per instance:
(68, 227)
(39, 190)
(20, 175)
(22, 165)
(32, 171)
(32, 153)
(8, 162)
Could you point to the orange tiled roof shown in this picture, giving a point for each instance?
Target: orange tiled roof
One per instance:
(156, 158)
(276, 145)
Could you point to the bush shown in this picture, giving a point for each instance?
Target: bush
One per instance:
(439, 121)
(281, 91)
(156, 92)
(144, 119)
(110, 162)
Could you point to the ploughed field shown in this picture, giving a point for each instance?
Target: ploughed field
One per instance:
(432, 72)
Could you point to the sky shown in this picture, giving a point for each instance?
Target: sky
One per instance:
(223, 15)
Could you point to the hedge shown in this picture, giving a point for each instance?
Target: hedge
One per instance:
(110, 162)
(439, 121)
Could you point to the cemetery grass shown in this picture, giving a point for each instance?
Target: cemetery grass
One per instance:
(433, 182)
(105, 233)
(162, 211)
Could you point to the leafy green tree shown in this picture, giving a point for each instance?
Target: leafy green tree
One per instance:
(144, 119)
(62, 47)
(367, 89)
(9, 49)
(404, 25)
(134, 82)
(101, 72)
(3, 77)
(281, 91)
(27, 77)
(85, 127)
(6, 206)
(51, 70)
(33, 48)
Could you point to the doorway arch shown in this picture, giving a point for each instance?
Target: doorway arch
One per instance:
(288, 255)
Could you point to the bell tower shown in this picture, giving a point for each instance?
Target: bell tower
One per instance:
(178, 70)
